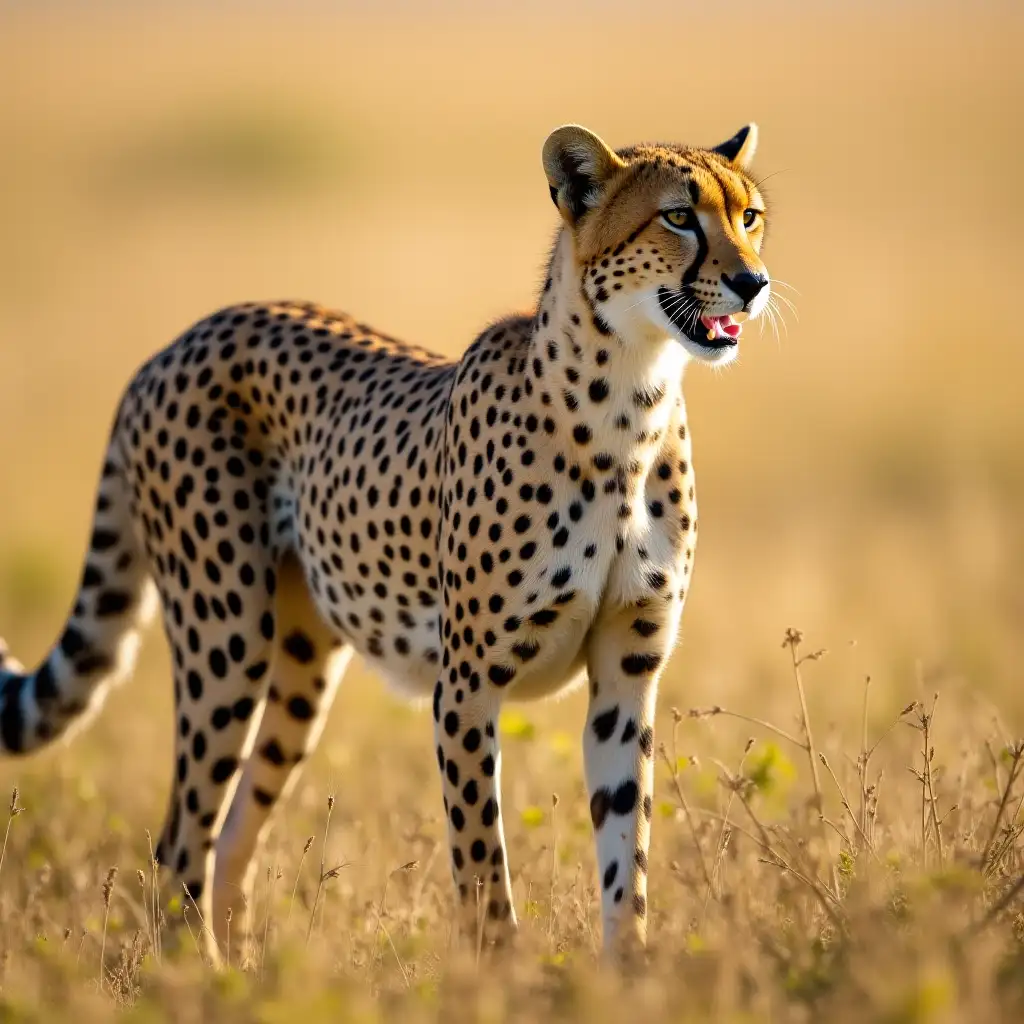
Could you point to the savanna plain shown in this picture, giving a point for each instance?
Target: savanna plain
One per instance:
(838, 830)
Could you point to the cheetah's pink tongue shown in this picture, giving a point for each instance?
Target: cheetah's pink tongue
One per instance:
(721, 327)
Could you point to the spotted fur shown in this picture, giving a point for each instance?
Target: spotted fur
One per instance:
(295, 486)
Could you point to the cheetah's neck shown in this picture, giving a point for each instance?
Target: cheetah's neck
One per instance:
(609, 396)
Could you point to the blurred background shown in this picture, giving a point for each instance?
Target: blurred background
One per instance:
(861, 477)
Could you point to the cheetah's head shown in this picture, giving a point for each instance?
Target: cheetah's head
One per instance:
(666, 238)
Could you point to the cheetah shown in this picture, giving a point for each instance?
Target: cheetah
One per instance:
(289, 486)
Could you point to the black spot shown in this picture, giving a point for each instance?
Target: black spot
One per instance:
(500, 675)
(242, 708)
(72, 642)
(624, 799)
(223, 769)
(471, 741)
(645, 627)
(647, 741)
(640, 664)
(236, 648)
(478, 851)
(610, 872)
(300, 708)
(103, 540)
(112, 602)
(218, 663)
(92, 577)
(489, 813)
(526, 650)
(273, 753)
(299, 647)
(604, 724)
(95, 661)
(451, 723)
(598, 390)
(12, 724)
(600, 803)
(656, 579)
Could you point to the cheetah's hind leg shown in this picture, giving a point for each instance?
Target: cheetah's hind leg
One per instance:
(307, 667)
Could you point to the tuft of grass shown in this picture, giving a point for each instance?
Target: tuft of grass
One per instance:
(888, 885)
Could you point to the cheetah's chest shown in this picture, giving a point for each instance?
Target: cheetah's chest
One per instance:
(583, 552)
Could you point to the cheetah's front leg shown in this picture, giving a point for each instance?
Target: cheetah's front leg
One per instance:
(468, 754)
(628, 648)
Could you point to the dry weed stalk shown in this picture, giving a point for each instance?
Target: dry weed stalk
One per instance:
(672, 762)
(273, 877)
(725, 831)
(325, 872)
(108, 891)
(554, 871)
(203, 927)
(12, 812)
(926, 777)
(792, 641)
(993, 852)
(154, 868)
(298, 874)
(381, 910)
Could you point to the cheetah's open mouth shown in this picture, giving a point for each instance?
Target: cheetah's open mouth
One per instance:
(712, 332)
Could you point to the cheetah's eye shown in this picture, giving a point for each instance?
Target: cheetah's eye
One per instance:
(682, 217)
(751, 217)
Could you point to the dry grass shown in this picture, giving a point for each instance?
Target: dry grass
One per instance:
(824, 848)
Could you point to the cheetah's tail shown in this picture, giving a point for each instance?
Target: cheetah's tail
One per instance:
(99, 643)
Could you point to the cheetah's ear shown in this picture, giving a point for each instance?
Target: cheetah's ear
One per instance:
(578, 165)
(741, 147)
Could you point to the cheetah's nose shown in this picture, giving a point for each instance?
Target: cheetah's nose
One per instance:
(746, 285)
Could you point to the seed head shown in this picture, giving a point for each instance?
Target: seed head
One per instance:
(792, 638)
(108, 886)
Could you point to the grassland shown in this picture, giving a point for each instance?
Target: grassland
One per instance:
(861, 479)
